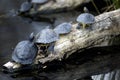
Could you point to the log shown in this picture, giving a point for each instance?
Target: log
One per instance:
(104, 32)
(60, 5)
(86, 52)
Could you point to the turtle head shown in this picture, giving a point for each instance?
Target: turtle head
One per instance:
(31, 37)
(85, 9)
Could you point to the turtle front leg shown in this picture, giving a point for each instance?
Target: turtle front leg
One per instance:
(83, 25)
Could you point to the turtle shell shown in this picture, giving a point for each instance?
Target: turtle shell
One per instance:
(86, 18)
(39, 1)
(46, 36)
(63, 28)
(25, 52)
(26, 6)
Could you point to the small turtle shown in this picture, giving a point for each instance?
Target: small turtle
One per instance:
(46, 40)
(25, 51)
(85, 18)
(26, 6)
(63, 28)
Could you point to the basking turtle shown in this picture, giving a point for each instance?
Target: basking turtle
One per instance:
(25, 6)
(63, 28)
(46, 40)
(25, 51)
(85, 18)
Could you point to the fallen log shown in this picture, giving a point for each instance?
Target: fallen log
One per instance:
(60, 5)
(86, 52)
(104, 32)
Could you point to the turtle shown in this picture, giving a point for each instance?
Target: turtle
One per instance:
(25, 6)
(85, 18)
(45, 40)
(63, 28)
(25, 51)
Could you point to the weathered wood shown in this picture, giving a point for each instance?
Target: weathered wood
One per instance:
(86, 52)
(104, 32)
(60, 5)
